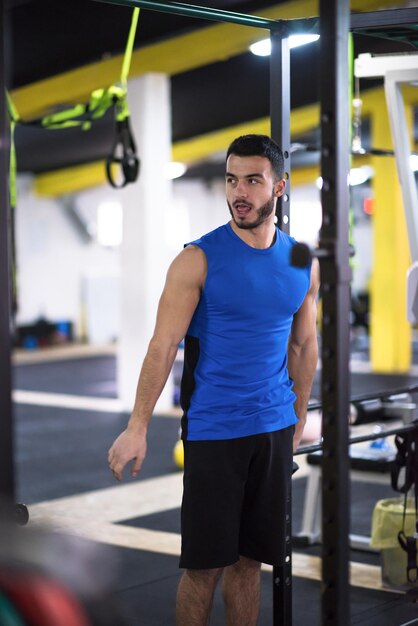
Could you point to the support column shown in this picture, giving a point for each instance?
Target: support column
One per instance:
(280, 132)
(7, 477)
(335, 287)
(144, 254)
(390, 332)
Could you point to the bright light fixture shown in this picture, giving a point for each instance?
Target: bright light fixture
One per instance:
(318, 183)
(357, 176)
(175, 170)
(360, 175)
(263, 48)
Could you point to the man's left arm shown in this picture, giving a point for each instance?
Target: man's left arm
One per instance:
(303, 352)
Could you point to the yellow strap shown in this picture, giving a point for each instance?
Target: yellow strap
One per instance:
(13, 117)
(13, 114)
(12, 166)
(101, 99)
(129, 48)
(352, 259)
(64, 119)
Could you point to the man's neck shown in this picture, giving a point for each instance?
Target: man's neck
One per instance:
(261, 237)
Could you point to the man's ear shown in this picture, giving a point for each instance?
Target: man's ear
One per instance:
(279, 187)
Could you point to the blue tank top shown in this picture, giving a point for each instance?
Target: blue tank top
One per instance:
(235, 381)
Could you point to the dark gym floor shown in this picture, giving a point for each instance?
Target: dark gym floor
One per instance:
(61, 454)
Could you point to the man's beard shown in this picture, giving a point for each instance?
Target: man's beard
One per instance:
(262, 214)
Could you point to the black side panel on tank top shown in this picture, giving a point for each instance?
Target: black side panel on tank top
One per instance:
(191, 357)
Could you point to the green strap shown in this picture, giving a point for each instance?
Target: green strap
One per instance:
(101, 99)
(129, 48)
(13, 114)
(12, 167)
(350, 84)
(64, 119)
(14, 118)
(352, 259)
(121, 110)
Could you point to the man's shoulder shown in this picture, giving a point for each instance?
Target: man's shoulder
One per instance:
(189, 266)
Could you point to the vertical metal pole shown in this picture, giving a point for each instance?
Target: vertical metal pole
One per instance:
(7, 484)
(280, 132)
(335, 280)
(280, 113)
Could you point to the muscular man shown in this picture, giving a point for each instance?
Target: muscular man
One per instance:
(249, 322)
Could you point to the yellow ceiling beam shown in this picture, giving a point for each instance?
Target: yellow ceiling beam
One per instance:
(172, 56)
(198, 148)
(307, 175)
(80, 177)
(304, 175)
(71, 179)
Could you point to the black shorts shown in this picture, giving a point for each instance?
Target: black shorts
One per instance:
(234, 499)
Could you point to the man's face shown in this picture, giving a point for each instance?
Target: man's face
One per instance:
(251, 190)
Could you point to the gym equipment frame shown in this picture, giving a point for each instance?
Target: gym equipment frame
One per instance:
(388, 408)
(396, 70)
(7, 478)
(334, 26)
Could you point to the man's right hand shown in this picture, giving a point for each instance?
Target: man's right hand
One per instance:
(129, 446)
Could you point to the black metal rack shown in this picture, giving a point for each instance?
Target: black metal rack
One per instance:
(334, 25)
(7, 479)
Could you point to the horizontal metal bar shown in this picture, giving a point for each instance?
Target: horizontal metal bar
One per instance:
(300, 25)
(301, 254)
(216, 15)
(390, 18)
(317, 447)
(387, 393)
(365, 20)
(358, 21)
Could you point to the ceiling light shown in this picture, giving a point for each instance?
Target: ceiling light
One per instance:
(263, 48)
(301, 40)
(360, 175)
(175, 170)
(357, 176)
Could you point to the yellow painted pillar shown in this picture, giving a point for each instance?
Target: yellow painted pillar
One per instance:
(390, 332)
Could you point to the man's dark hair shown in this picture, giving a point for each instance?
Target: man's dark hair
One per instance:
(259, 145)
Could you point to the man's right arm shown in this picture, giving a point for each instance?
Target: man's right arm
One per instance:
(180, 297)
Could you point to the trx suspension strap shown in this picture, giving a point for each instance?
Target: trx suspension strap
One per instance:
(83, 115)
(14, 118)
(124, 149)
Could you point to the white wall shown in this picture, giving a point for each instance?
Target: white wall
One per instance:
(305, 222)
(56, 266)
(52, 258)
(198, 208)
(305, 214)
